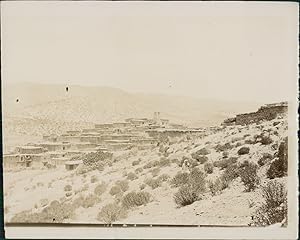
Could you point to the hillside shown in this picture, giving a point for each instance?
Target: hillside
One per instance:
(154, 187)
(50, 106)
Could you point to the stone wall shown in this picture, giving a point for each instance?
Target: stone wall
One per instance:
(264, 113)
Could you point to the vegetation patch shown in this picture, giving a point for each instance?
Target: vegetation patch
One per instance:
(135, 199)
(274, 208)
(111, 212)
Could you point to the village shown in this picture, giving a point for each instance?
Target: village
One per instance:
(54, 150)
(142, 133)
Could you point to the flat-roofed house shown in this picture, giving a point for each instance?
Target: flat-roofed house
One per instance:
(51, 146)
(72, 164)
(29, 150)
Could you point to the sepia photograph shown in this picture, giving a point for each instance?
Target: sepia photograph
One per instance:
(149, 119)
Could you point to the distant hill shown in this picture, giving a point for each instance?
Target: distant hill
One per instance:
(52, 104)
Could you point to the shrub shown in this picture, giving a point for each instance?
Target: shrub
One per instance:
(123, 184)
(264, 159)
(230, 173)
(90, 201)
(138, 170)
(96, 160)
(142, 186)
(249, 141)
(132, 176)
(134, 199)
(55, 212)
(83, 169)
(274, 208)
(68, 188)
(151, 164)
(221, 148)
(111, 213)
(155, 172)
(164, 177)
(100, 189)
(68, 194)
(192, 190)
(225, 154)
(185, 196)
(265, 140)
(215, 187)
(153, 183)
(224, 163)
(208, 168)
(279, 167)
(200, 158)
(243, 150)
(249, 176)
(94, 179)
(115, 190)
(180, 179)
(163, 162)
(136, 162)
(203, 151)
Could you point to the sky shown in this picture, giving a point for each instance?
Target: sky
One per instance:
(231, 51)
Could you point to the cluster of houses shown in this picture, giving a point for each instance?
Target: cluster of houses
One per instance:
(54, 150)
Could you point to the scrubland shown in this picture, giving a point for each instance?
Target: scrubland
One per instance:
(236, 176)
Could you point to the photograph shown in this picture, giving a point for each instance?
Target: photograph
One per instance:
(149, 118)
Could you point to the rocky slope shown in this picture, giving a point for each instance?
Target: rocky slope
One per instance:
(91, 198)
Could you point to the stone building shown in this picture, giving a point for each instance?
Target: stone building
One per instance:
(265, 113)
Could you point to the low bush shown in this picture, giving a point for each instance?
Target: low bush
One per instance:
(100, 189)
(124, 184)
(138, 170)
(153, 183)
(155, 171)
(200, 158)
(203, 151)
(230, 173)
(164, 177)
(243, 150)
(225, 154)
(68, 194)
(164, 162)
(225, 147)
(68, 188)
(266, 157)
(185, 196)
(90, 201)
(132, 176)
(136, 162)
(266, 140)
(56, 212)
(94, 179)
(215, 187)
(134, 199)
(224, 163)
(279, 167)
(142, 186)
(274, 208)
(249, 177)
(249, 141)
(115, 190)
(96, 160)
(180, 179)
(151, 164)
(192, 190)
(111, 212)
(209, 168)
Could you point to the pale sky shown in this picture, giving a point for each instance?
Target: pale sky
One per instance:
(232, 51)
